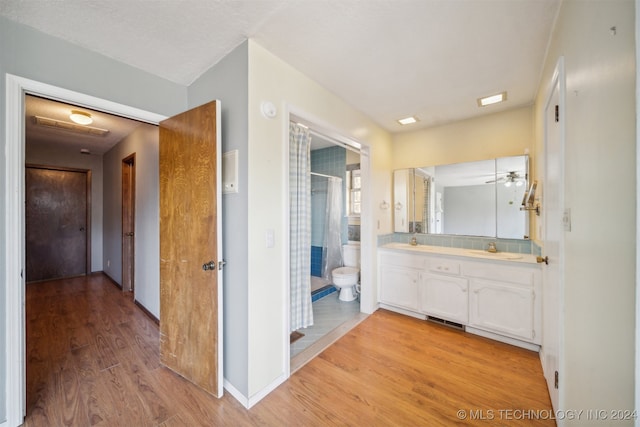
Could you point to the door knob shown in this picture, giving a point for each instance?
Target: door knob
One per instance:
(540, 260)
(211, 265)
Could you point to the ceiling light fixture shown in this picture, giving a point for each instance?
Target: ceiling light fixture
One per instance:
(80, 117)
(408, 120)
(493, 99)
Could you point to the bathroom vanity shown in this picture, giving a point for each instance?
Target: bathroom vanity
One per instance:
(496, 295)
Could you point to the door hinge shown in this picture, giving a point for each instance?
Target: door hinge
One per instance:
(555, 380)
(557, 113)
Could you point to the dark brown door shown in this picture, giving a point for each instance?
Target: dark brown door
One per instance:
(190, 289)
(128, 221)
(56, 223)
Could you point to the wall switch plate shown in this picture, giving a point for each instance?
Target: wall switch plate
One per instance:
(566, 219)
(270, 238)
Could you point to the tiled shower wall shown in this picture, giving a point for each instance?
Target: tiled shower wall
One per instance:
(329, 161)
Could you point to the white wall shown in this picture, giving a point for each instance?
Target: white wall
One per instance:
(143, 142)
(503, 134)
(600, 189)
(45, 154)
(270, 79)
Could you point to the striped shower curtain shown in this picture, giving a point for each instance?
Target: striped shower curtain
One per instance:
(300, 227)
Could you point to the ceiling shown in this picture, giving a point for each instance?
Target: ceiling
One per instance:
(387, 58)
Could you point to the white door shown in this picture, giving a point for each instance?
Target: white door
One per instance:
(553, 235)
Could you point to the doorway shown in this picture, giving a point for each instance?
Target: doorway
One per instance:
(334, 166)
(128, 221)
(14, 167)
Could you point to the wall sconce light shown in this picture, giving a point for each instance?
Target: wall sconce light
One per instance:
(80, 117)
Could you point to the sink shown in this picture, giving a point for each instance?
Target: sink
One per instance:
(496, 255)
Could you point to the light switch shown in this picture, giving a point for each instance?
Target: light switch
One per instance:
(270, 238)
(566, 219)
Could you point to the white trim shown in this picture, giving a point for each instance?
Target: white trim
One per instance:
(318, 125)
(249, 402)
(637, 362)
(15, 385)
(558, 79)
(244, 401)
(16, 87)
(220, 248)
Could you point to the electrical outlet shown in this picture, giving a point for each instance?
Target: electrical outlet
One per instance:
(108, 263)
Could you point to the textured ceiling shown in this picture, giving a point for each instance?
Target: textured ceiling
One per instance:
(387, 58)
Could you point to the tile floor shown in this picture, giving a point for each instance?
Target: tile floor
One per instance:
(328, 314)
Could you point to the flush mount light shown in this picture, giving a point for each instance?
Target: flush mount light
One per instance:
(80, 117)
(493, 99)
(408, 120)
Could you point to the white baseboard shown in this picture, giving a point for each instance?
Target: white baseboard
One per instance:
(265, 391)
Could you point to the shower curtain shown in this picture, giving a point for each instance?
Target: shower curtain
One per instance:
(300, 227)
(332, 247)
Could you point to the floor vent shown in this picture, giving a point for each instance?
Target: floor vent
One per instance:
(445, 323)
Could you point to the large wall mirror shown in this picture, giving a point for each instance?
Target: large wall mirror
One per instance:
(481, 198)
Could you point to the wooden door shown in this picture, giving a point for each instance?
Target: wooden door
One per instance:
(190, 238)
(128, 221)
(56, 221)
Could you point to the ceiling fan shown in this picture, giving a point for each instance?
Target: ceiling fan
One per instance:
(510, 178)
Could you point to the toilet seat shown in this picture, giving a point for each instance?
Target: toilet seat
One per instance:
(345, 271)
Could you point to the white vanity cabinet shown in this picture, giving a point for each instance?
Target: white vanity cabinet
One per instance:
(443, 293)
(401, 274)
(499, 299)
(503, 299)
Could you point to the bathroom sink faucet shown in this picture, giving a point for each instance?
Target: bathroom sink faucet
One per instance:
(492, 247)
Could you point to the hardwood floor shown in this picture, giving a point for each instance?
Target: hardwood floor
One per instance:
(92, 360)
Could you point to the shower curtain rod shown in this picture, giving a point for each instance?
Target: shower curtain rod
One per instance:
(323, 175)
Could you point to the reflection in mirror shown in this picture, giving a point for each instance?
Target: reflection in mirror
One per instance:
(475, 198)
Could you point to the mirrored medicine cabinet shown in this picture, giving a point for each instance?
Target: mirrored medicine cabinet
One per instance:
(481, 198)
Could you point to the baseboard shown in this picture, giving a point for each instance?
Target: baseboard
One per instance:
(265, 391)
(502, 338)
(111, 279)
(229, 388)
(147, 312)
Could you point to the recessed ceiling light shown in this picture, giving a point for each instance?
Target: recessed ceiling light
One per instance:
(408, 120)
(80, 117)
(493, 99)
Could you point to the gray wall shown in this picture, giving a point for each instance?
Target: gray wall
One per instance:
(33, 55)
(46, 154)
(144, 143)
(228, 82)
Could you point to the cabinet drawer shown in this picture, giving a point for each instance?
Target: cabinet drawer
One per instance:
(446, 266)
(502, 273)
(402, 260)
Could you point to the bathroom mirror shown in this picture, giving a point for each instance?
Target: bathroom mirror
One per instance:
(481, 198)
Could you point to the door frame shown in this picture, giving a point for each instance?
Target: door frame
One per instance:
(557, 81)
(16, 88)
(368, 268)
(129, 160)
(87, 173)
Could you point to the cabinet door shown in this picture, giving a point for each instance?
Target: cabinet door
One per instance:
(399, 286)
(502, 308)
(444, 297)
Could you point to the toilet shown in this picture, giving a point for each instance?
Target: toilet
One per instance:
(346, 278)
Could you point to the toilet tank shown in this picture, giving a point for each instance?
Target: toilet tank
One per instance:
(351, 255)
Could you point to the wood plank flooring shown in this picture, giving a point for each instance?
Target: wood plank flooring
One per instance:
(92, 360)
